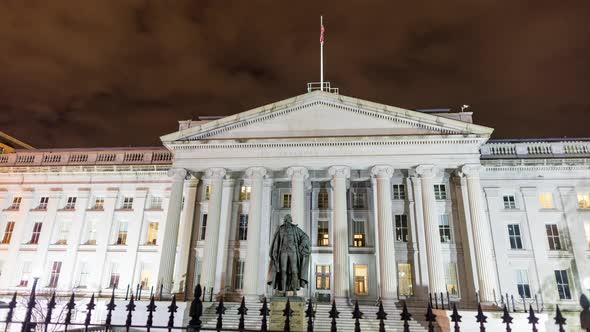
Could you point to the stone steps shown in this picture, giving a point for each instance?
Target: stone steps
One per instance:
(322, 321)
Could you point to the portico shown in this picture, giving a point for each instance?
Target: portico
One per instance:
(339, 166)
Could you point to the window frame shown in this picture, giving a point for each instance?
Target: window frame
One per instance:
(36, 232)
(523, 283)
(8, 231)
(43, 202)
(440, 192)
(203, 227)
(359, 239)
(122, 233)
(444, 229)
(243, 227)
(16, 202)
(238, 279)
(323, 199)
(509, 202)
(406, 279)
(563, 288)
(152, 233)
(54, 274)
(127, 203)
(546, 200)
(245, 192)
(517, 237)
(583, 200)
(323, 230)
(323, 277)
(398, 192)
(359, 199)
(70, 203)
(554, 237)
(364, 290)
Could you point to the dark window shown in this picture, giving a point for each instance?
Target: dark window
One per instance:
(553, 237)
(243, 227)
(563, 285)
(399, 191)
(203, 227)
(514, 236)
(401, 228)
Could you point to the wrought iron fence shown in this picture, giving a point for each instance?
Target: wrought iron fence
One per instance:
(29, 323)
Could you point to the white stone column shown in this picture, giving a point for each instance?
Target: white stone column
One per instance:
(482, 236)
(255, 175)
(225, 217)
(387, 263)
(298, 176)
(169, 242)
(210, 248)
(180, 270)
(265, 235)
(339, 175)
(436, 272)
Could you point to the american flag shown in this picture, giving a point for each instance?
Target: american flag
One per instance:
(322, 34)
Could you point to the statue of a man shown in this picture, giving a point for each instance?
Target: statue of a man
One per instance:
(289, 254)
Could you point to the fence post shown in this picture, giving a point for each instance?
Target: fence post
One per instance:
(442, 301)
(481, 318)
(513, 306)
(70, 306)
(242, 311)
(220, 311)
(532, 318)
(585, 314)
(407, 316)
(357, 315)
(196, 311)
(172, 309)
(110, 307)
(507, 319)
(126, 293)
(90, 306)
(30, 306)
(11, 306)
(161, 290)
(264, 313)
(211, 295)
(430, 318)
(333, 314)
(456, 318)
(50, 306)
(381, 316)
(150, 309)
(559, 319)
(130, 308)
(310, 314)
(287, 313)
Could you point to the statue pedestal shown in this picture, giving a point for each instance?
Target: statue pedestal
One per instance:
(277, 320)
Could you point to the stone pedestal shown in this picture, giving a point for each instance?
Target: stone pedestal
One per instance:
(277, 320)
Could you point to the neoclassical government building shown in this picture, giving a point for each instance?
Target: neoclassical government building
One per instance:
(397, 203)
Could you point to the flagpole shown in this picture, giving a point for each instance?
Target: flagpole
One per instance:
(322, 57)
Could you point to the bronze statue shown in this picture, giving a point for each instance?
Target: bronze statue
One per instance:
(289, 254)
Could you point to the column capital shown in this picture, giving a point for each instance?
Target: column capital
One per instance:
(192, 181)
(229, 182)
(426, 171)
(382, 171)
(177, 174)
(339, 171)
(256, 172)
(215, 172)
(297, 172)
(471, 170)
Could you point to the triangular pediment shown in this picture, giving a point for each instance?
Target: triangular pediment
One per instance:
(322, 114)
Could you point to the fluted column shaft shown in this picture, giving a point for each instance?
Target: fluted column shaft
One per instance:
(170, 240)
(185, 237)
(482, 237)
(255, 175)
(387, 263)
(436, 272)
(215, 176)
(298, 176)
(340, 174)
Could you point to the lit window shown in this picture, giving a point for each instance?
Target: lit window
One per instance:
(404, 276)
(546, 200)
(207, 192)
(70, 204)
(440, 192)
(509, 202)
(323, 199)
(156, 203)
(127, 203)
(587, 229)
(323, 233)
(16, 203)
(522, 284)
(91, 233)
(243, 228)
(245, 193)
(122, 234)
(63, 231)
(98, 203)
(145, 278)
(563, 285)
(286, 201)
(203, 227)
(444, 228)
(361, 286)
(25, 274)
(322, 277)
(43, 203)
(359, 199)
(83, 277)
(401, 228)
(399, 191)
(584, 201)
(553, 237)
(54, 276)
(239, 274)
(451, 279)
(114, 279)
(36, 233)
(358, 235)
(8, 232)
(514, 236)
(152, 234)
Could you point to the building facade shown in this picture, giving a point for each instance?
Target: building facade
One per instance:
(398, 204)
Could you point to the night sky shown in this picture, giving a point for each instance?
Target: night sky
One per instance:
(120, 73)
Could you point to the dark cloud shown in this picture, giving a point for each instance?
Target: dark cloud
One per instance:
(122, 72)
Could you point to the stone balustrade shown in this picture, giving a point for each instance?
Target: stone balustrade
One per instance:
(108, 156)
(535, 149)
